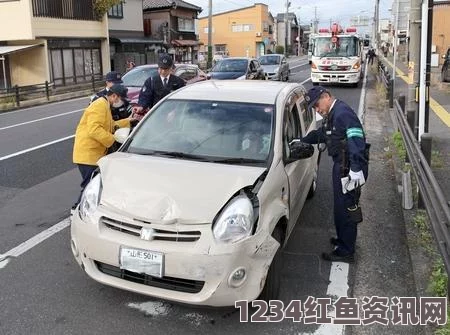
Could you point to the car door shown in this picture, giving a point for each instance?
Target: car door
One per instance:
(296, 171)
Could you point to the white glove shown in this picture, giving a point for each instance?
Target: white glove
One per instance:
(357, 177)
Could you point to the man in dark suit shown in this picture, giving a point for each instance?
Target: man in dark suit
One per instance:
(157, 87)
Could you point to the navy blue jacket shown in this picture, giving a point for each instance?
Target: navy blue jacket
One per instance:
(154, 90)
(342, 128)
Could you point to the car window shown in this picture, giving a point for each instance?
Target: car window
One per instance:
(291, 124)
(137, 76)
(186, 73)
(231, 65)
(269, 60)
(209, 129)
(307, 114)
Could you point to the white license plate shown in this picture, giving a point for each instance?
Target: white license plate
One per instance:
(142, 261)
(333, 80)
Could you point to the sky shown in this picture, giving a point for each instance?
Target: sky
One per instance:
(335, 10)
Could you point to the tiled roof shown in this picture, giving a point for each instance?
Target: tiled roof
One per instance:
(157, 4)
(291, 17)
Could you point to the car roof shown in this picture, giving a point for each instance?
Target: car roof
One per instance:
(247, 91)
(267, 55)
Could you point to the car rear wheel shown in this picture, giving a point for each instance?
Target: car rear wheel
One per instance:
(272, 286)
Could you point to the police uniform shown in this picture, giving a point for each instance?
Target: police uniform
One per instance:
(346, 144)
(154, 88)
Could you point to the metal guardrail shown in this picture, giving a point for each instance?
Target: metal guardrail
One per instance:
(431, 193)
(387, 81)
(17, 94)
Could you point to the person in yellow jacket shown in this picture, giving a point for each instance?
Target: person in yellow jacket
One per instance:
(94, 134)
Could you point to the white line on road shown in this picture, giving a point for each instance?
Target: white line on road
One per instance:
(49, 104)
(300, 65)
(304, 81)
(37, 120)
(362, 97)
(32, 242)
(35, 148)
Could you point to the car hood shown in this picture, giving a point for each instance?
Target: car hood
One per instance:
(226, 75)
(269, 68)
(168, 190)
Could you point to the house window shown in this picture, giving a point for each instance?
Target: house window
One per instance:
(205, 30)
(237, 28)
(116, 11)
(185, 24)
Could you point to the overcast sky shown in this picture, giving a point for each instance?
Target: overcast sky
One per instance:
(334, 10)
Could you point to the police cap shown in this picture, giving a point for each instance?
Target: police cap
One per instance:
(314, 94)
(114, 77)
(165, 61)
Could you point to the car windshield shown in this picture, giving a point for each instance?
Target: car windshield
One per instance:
(225, 132)
(231, 65)
(137, 76)
(345, 47)
(269, 60)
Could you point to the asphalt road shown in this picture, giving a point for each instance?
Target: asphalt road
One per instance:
(45, 292)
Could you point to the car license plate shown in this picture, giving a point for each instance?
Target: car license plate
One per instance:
(333, 79)
(142, 261)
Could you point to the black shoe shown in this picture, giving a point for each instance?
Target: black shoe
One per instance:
(334, 241)
(334, 257)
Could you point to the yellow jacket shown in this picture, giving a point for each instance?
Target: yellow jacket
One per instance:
(94, 133)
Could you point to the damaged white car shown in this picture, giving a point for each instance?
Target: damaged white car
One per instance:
(196, 205)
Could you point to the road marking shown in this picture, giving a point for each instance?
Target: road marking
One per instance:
(35, 148)
(437, 108)
(44, 118)
(49, 104)
(303, 64)
(304, 81)
(32, 242)
(362, 97)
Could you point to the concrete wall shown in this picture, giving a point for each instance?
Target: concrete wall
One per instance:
(15, 20)
(132, 17)
(441, 29)
(238, 43)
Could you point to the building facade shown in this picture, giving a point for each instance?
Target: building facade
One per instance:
(441, 28)
(56, 41)
(292, 27)
(127, 40)
(246, 32)
(173, 22)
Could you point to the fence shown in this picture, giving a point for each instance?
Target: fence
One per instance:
(430, 191)
(387, 82)
(17, 94)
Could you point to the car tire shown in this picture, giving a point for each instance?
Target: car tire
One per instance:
(313, 187)
(315, 84)
(272, 286)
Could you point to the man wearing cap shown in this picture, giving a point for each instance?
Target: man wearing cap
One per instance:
(121, 109)
(94, 134)
(344, 135)
(157, 87)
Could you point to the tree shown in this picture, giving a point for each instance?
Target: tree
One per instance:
(279, 49)
(101, 7)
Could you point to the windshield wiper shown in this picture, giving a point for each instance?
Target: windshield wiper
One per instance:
(179, 154)
(239, 160)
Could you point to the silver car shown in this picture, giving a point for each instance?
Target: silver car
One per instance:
(275, 66)
(197, 204)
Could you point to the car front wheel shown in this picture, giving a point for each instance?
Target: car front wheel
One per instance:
(272, 286)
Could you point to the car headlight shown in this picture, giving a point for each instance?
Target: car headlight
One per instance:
(241, 77)
(236, 221)
(90, 199)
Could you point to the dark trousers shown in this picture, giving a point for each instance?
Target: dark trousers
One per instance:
(346, 230)
(86, 174)
(371, 60)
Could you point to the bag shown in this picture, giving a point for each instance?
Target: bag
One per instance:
(355, 214)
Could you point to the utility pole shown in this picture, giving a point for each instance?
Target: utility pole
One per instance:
(414, 57)
(286, 15)
(210, 57)
(395, 44)
(315, 20)
(428, 69)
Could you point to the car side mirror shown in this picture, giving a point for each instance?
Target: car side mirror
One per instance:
(121, 134)
(300, 150)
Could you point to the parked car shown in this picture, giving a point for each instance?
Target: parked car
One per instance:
(445, 74)
(275, 66)
(237, 68)
(197, 204)
(135, 78)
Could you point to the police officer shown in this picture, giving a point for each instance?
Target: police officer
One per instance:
(345, 139)
(157, 87)
(120, 110)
